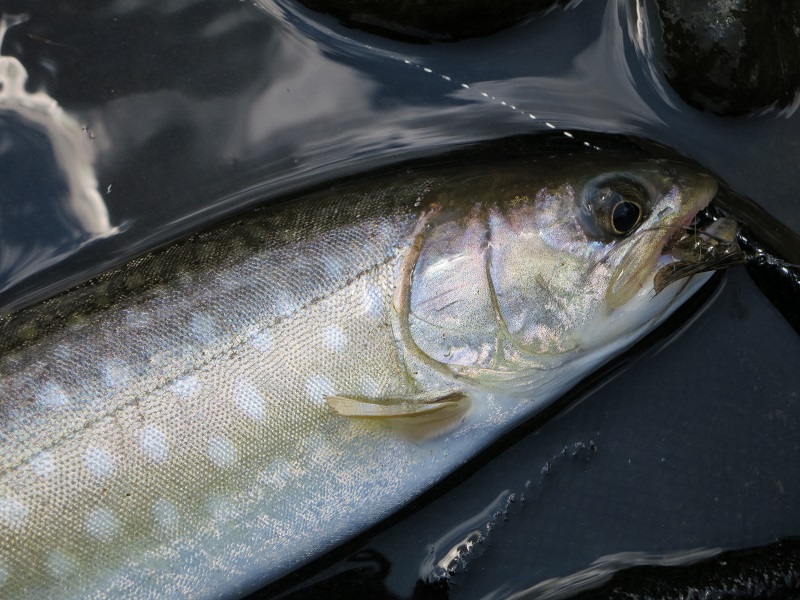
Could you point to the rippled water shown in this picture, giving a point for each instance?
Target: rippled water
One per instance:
(189, 110)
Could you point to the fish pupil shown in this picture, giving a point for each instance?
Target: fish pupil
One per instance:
(625, 216)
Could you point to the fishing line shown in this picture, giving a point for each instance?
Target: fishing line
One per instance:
(475, 90)
(313, 26)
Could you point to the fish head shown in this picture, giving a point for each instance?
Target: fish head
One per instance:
(527, 269)
(640, 212)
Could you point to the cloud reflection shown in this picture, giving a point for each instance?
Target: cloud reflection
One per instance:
(49, 201)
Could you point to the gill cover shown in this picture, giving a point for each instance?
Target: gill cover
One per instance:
(518, 277)
(488, 295)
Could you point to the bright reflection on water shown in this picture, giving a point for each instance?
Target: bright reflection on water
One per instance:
(49, 200)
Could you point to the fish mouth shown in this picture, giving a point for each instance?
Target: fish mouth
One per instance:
(707, 243)
(652, 250)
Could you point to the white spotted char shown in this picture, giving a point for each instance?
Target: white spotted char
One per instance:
(164, 430)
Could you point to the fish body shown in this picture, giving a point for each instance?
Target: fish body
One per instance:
(172, 428)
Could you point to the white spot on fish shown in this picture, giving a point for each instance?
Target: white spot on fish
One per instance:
(248, 399)
(185, 387)
(283, 304)
(116, 374)
(52, 395)
(335, 338)
(42, 464)
(166, 515)
(59, 565)
(3, 573)
(136, 318)
(231, 281)
(221, 509)
(276, 475)
(154, 443)
(317, 387)
(335, 268)
(372, 301)
(102, 524)
(12, 513)
(261, 341)
(221, 452)
(98, 461)
(203, 326)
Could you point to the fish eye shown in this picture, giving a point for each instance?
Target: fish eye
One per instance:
(625, 216)
(616, 206)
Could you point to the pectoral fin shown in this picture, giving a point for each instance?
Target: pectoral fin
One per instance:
(416, 417)
(412, 406)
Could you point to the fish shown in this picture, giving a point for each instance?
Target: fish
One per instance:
(205, 418)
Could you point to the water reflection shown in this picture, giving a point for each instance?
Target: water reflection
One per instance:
(49, 202)
(197, 108)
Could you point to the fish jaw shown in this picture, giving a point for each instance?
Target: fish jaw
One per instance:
(674, 211)
(701, 250)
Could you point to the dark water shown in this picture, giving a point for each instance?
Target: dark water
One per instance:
(193, 109)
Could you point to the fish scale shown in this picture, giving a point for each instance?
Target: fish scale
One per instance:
(167, 428)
